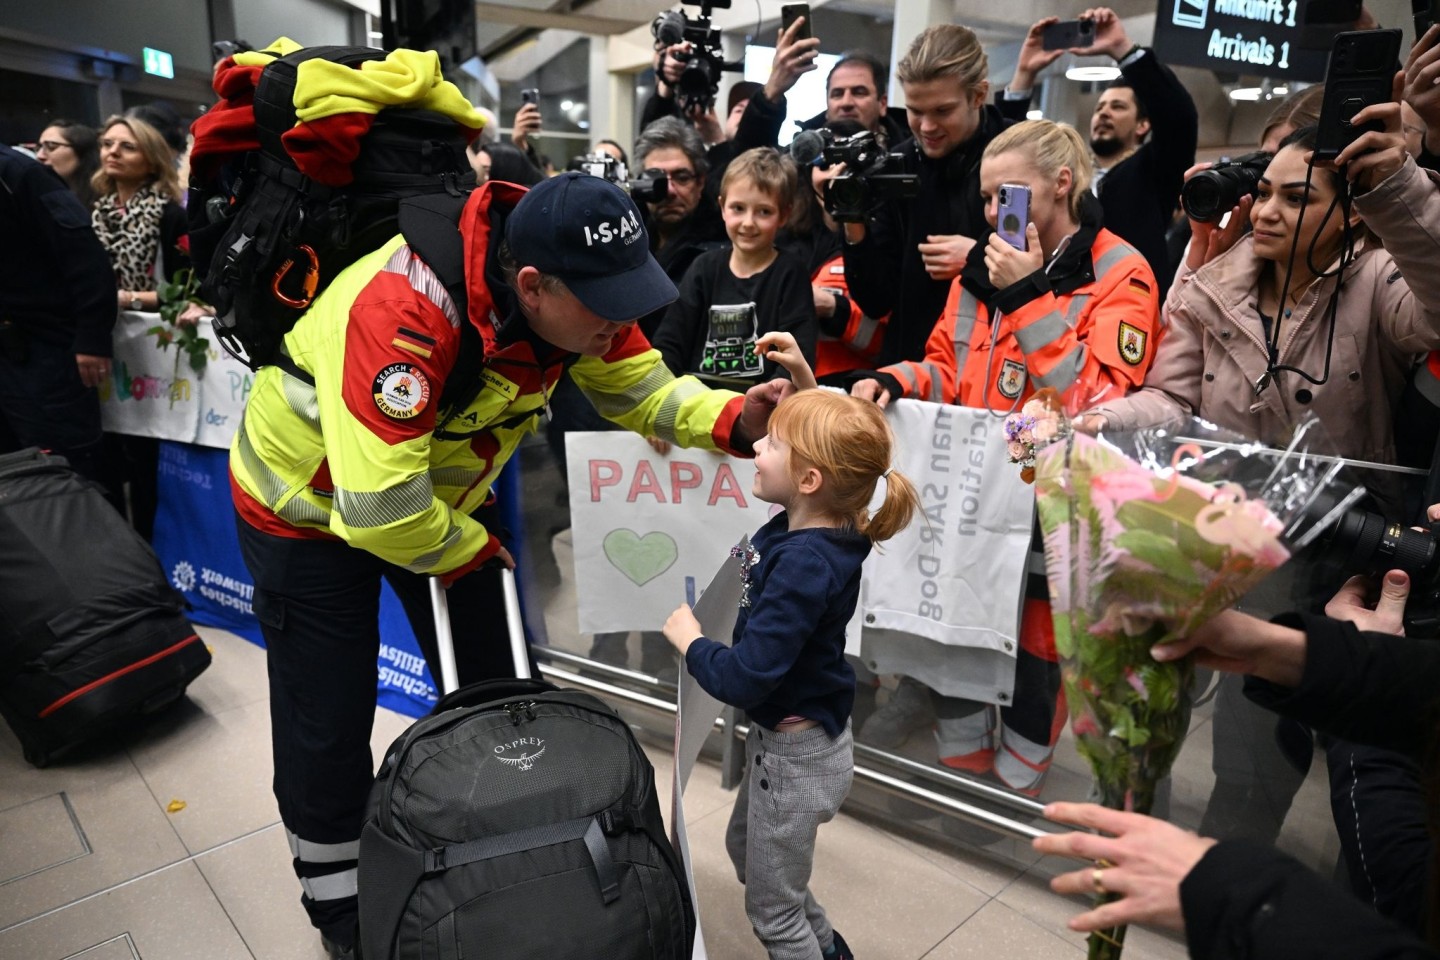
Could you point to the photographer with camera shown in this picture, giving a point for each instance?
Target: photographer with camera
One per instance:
(1143, 132)
(688, 64)
(900, 261)
(684, 221)
(1347, 674)
(856, 90)
(849, 339)
(1263, 334)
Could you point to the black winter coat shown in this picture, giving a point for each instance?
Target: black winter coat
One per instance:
(1246, 901)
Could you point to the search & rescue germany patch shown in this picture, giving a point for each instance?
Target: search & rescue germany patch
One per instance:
(1132, 344)
(401, 391)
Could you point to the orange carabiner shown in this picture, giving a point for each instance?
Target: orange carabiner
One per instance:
(312, 279)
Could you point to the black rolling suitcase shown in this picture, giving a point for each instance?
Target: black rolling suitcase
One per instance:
(519, 821)
(91, 633)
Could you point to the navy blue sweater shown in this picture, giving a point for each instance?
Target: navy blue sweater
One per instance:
(788, 657)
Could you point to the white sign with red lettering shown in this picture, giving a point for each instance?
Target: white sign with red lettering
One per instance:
(650, 529)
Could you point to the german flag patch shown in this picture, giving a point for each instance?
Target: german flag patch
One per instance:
(412, 342)
(1139, 286)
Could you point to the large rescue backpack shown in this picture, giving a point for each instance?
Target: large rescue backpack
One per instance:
(520, 821)
(266, 238)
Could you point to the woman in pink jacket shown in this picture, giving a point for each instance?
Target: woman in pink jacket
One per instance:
(1344, 345)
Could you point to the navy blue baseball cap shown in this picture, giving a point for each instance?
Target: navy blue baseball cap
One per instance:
(587, 231)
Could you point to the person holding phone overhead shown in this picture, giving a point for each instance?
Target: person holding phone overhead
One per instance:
(1143, 131)
(526, 125)
(1076, 310)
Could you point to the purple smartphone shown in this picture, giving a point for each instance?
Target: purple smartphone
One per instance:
(1012, 215)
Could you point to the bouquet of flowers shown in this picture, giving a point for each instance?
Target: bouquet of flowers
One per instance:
(1040, 422)
(1148, 535)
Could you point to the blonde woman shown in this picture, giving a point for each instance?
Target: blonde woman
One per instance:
(141, 224)
(1076, 310)
(138, 216)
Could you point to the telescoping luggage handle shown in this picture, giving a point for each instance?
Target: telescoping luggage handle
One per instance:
(445, 640)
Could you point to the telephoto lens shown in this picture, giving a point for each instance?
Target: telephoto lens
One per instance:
(1369, 542)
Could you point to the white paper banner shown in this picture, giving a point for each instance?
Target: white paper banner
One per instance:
(942, 601)
(148, 395)
(644, 523)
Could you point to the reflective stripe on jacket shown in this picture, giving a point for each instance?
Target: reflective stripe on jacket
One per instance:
(1093, 342)
(857, 346)
(367, 455)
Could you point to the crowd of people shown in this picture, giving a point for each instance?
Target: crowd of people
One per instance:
(1311, 298)
(115, 227)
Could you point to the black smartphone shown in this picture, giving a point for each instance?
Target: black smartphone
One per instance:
(530, 95)
(1067, 34)
(791, 12)
(1360, 73)
(1426, 13)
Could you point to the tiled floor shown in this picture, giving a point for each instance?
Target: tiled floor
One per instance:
(166, 846)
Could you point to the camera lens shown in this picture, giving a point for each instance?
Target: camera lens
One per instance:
(1356, 536)
(1368, 542)
(1206, 196)
(845, 193)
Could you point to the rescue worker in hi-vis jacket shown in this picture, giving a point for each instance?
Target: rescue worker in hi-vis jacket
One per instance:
(377, 470)
(1072, 308)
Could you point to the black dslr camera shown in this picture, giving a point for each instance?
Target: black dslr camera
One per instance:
(600, 165)
(1211, 194)
(700, 80)
(1365, 542)
(651, 187)
(872, 176)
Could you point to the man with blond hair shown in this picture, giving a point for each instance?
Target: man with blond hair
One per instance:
(902, 260)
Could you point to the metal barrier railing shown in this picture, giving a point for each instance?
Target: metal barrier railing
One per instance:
(875, 767)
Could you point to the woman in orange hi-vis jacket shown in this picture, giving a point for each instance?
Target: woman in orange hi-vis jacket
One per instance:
(1075, 310)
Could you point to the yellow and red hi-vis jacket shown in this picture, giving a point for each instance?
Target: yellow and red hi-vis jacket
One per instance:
(850, 341)
(367, 455)
(1093, 341)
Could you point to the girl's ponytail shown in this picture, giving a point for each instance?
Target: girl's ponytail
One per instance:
(897, 509)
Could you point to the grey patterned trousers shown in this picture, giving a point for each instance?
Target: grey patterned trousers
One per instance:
(793, 782)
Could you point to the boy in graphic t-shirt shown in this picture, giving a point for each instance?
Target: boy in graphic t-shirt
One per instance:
(731, 296)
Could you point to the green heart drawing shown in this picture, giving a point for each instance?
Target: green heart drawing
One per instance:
(642, 559)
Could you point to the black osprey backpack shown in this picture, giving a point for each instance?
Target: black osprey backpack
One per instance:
(520, 822)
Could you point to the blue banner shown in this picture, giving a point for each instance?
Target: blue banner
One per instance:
(196, 541)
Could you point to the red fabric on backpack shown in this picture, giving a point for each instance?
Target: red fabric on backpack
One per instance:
(228, 127)
(324, 149)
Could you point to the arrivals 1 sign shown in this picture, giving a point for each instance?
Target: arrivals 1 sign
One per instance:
(1251, 37)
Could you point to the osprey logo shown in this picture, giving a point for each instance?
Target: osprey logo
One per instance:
(520, 753)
